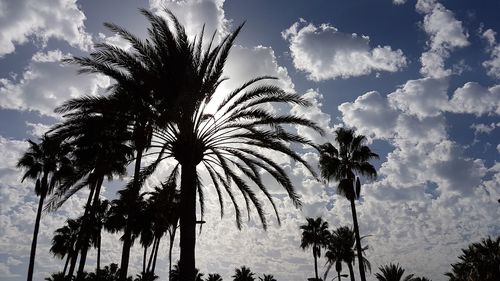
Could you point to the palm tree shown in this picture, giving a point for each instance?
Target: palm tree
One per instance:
(392, 272)
(101, 211)
(57, 276)
(100, 150)
(47, 164)
(315, 234)
(64, 240)
(267, 277)
(243, 274)
(164, 88)
(343, 165)
(341, 248)
(175, 273)
(214, 277)
(479, 261)
(421, 279)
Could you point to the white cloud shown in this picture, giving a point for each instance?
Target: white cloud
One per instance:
(422, 98)
(324, 52)
(493, 64)
(446, 33)
(37, 129)
(194, 14)
(46, 83)
(398, 2)
(474, 98)
(43, 20)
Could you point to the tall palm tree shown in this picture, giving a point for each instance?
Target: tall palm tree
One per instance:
(64, 240)
(267, 277)
(392, 272)
(214, 277)
(47, 164)
(344, 165)
(100, 150)
(164, 87)
(243, 274)
(479, 261)
(315, 234)
(341, 248)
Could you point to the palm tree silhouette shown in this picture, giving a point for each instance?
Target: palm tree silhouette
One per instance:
(267, 277)
(64, 240)
(343, 165)
(100, 150)
(315, 234)
(164, 88)
(46, 163)
(341, 248)
(479, 261)
(392, 272)
(214, 277)
(243, 274)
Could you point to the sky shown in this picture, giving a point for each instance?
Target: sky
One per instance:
(420, 79)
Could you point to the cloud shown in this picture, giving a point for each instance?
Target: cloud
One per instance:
(195, 14)
(323, 52)
(445, 32)
(493, 64)
(474, 98)
(46, 83)
(398, 2)
(43, 20)
(422, 97)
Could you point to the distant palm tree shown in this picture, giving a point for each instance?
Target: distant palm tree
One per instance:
(175, 273)
(64, 240)
(100, 212)
(267, 277)
(315, 234)
(421, 279)
(47, 164)
(343, 165)
(243, 274)
(480, 261)
(57, 276)
(341, 248)
(392, 272)
(214, 277)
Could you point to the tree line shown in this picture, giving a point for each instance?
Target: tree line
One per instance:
(162, 108)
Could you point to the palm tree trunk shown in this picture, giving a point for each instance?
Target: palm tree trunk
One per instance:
(98, 267)
(150, 262)
(89, 213)
(338, 276)
(170, 247)
(127, 236)
(66, 264)
(358, 241)
(72, 264)
(35, 234)
(188, 221)
(315, 263)
(156, 255)
(145, 253)
(351, 271)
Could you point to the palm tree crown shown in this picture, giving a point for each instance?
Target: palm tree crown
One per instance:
(392, 272)
(315, 234)
(243, 274)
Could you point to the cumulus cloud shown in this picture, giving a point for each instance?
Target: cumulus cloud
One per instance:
(493, 64)
(323, 52)
(473, 98)
(46, 83)
(422, 97)
(44, 20)
(445, 32)
(196, 14)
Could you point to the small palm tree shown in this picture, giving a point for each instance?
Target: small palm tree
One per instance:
(421, 279)
(315, 234)
(480, 261)
(243, 274)
(343, 165)
(214, 277)
(392, 272)
(341, 248)
(64, 240)
(267, 277)
(48, 165)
